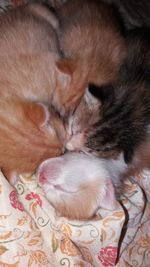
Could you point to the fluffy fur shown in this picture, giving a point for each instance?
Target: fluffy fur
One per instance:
(91, 43)
(124, 116)
(79, 124)
(77, 185)
(30, 31)
(30, 81)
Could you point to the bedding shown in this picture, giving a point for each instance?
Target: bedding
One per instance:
(33, 235)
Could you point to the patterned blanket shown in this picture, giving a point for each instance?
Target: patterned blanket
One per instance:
(32, 235)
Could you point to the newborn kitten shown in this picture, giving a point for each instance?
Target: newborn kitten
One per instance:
(77, 185)
(92, 45)
(30, 81)
(124, 116)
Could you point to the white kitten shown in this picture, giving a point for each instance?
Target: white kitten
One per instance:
(77, 184)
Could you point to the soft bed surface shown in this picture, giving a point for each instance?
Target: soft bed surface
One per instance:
(31, 234)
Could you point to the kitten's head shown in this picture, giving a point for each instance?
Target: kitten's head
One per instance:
(82, 124)
(118, 124)
(96, 128)
(30, 132)
(77, 185)
(79, 124)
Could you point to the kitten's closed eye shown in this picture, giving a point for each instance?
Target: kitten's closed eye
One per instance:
(103, 93)
(81, 121)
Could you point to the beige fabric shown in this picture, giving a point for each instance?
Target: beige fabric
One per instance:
(31, 234)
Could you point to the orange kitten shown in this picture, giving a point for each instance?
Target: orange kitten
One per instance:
(90, 38)
(30, 80)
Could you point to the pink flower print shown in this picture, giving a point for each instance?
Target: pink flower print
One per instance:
(15, 203)
(107, 256)
(32, 195)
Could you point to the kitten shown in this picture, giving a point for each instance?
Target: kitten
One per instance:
(31, 30)
(30, 80)
(77, 185)
(124, 116)
(92, 44)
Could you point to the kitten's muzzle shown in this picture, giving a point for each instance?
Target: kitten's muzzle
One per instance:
(75, 142)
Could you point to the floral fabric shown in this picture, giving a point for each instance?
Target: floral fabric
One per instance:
(31, 233)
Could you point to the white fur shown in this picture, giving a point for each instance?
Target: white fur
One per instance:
(73, 170)
(70, 122)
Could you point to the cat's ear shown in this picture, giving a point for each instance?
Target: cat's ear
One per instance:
(103, 93)
(38, 113)
(50, 169)
(65, 69)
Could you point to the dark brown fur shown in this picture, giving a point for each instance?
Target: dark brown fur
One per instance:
(135, 13)
(125, 115)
